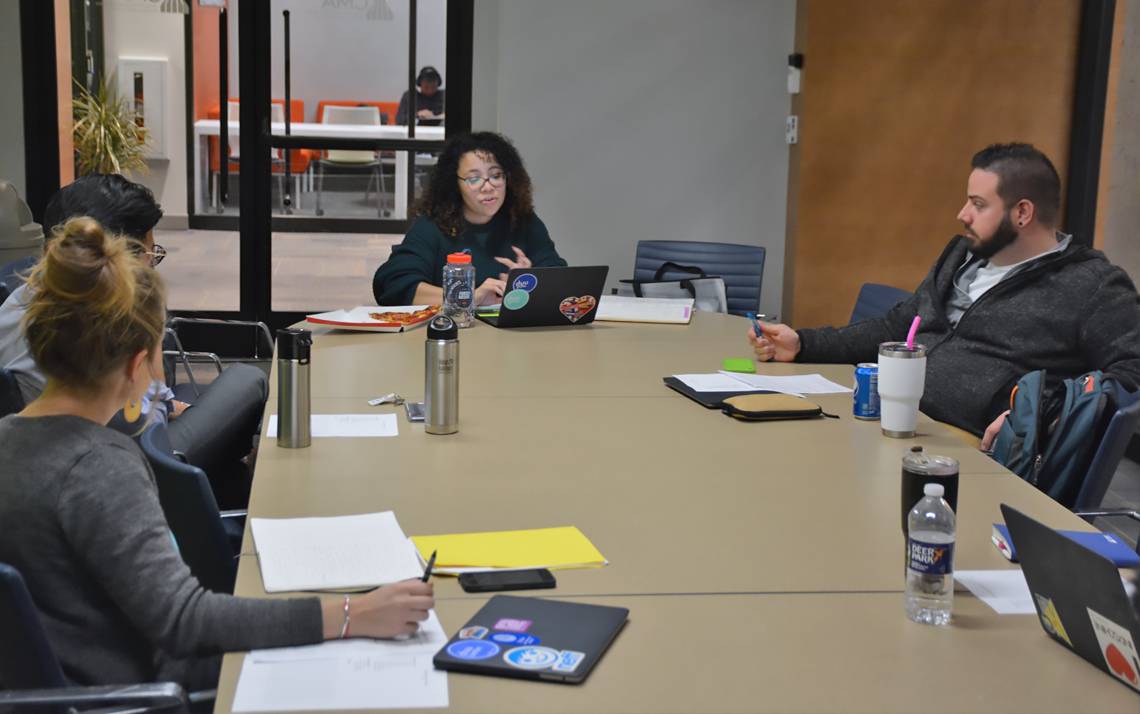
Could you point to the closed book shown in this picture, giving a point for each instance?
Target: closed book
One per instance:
(1103, 544)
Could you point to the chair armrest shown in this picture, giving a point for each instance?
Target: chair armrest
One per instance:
(200, 357)
(1117, 513)
(236, 513)
(260, 327)
(163, 696)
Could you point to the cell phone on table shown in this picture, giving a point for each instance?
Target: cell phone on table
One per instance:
(536, 579)
(414, 410)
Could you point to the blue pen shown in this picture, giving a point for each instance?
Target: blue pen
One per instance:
(755, 324)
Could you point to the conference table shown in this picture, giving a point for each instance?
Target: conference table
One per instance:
(762, 563)
(206, 128)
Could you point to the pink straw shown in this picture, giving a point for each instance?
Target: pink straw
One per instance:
(913, 331)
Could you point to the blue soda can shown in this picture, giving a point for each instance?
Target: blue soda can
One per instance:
(867, 391)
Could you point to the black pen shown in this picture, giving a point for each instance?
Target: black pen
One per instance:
(430, 565)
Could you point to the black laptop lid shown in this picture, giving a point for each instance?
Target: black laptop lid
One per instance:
(533, 638)
(1079, 597)
(543, 297)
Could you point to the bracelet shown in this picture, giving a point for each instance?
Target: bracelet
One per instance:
(344, 627)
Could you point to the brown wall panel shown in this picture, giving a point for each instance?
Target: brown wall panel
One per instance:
(896, 97)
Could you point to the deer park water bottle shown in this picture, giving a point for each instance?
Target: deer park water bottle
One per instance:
(930, 559)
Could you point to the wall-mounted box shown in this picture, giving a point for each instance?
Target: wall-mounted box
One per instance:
(142, 84)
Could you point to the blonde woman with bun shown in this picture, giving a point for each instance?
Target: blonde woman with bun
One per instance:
(81, 516)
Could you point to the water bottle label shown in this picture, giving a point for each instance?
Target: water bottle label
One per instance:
(930, 558)
(458, 294)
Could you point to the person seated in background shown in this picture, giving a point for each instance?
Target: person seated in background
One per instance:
(214, 433)
(82, 520)
(429, 99)
(1011, 296)
(479, 199)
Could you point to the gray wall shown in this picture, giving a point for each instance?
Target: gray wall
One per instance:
(1122, 199)
(342, 49)
(12, 89)
(644, 119)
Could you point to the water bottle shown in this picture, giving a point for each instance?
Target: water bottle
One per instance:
(930, 559)
(441, 376)
(459, 289)
(293, 406)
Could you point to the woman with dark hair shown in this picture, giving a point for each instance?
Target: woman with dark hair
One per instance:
(479, 200)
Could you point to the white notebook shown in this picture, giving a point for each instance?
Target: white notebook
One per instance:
(334, 553)
(622, 308)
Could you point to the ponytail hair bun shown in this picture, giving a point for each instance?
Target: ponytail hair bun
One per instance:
(93, 305)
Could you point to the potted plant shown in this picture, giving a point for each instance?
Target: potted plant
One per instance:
(108, 140)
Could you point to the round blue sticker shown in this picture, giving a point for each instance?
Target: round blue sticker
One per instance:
(526, 281)
(510, 638)
(472, 649)
(530, 657)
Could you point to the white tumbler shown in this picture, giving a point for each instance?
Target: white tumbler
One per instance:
(902, 377)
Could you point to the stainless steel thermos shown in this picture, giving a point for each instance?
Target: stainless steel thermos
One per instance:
(441, 376)
(293, 408)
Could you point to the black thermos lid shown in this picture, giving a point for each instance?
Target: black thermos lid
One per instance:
(294, 344)
(442, 327)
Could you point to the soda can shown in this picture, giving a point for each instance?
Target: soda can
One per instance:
(867, 391)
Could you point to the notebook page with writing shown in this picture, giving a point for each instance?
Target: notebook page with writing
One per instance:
(358, 551)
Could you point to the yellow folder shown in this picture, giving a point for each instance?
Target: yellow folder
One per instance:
(553, 548)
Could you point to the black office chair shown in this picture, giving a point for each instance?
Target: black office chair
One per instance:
(741, 266)
(192, 513)
(11, 399)
(876, 300)
(1107, 459)
(33, 680)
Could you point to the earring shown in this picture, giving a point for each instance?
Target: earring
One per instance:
(133, 410)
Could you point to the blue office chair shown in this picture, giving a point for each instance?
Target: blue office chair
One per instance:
(192, 513)
(876, 300)
(11, 399)
(1107, 458)
(12, 274)
(33, 680)
(740, 266)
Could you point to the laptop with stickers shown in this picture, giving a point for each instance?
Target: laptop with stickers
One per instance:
(1079, 596)
(545, 297)
(533, 638)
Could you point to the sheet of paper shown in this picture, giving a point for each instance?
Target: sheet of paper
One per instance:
(798, 384)
(349, 425)
(1003, 590)
(346, 674)
(716, 382)
(622, 308)
(331, 553)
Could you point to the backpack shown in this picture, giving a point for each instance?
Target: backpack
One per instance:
(1051, 434)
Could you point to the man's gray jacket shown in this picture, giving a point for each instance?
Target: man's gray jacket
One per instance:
(1068, 313)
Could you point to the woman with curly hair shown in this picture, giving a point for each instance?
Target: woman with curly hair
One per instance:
(478, 200)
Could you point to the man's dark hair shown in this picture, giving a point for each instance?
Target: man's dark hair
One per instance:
(1023, 173)
(429, 74)
(122, 207)
(443, 203)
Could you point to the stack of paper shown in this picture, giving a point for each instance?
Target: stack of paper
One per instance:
(553, 548)
(346, 674)
(622, 308)
(346, 425)
(797, 384)
(333, 553)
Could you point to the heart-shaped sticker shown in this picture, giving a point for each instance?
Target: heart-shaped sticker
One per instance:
(575, 308)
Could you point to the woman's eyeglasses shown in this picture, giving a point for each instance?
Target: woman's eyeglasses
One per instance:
(476, 182)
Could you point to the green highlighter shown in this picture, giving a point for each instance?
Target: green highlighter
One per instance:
(739, 364)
